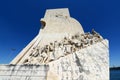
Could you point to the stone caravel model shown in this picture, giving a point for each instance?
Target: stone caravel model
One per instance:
(70, 53)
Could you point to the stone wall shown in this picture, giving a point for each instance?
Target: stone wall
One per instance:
(90, 63)
(23, 72)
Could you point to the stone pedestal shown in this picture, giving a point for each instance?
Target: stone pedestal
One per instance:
(23, 72)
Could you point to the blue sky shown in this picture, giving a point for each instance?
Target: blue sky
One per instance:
(19, 22)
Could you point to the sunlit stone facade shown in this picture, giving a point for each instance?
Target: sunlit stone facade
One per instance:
(64, 51)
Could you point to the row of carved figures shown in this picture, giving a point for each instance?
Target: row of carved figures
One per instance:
(55, 50)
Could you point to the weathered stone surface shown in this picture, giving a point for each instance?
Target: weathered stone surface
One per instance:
(55, 50)
(90, 63)
(57, 24)
(70, 53)
(23, 72)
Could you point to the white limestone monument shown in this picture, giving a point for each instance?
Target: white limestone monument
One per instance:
(65, 51)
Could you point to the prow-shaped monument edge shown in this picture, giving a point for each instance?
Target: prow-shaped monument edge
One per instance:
(56, 24)
(69, 52)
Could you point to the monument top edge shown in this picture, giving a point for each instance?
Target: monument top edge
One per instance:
(57, 11)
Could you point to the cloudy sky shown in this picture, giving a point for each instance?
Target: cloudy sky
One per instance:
(20, 22)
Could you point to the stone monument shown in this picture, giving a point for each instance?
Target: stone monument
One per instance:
(68, 52)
